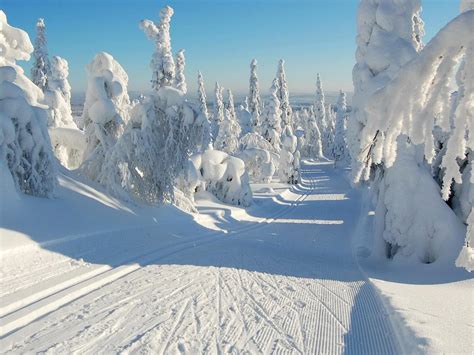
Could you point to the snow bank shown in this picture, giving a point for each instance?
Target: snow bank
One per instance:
(222, 175)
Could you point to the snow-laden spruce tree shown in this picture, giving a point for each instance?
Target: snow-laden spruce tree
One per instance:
(41, 69)
(313, 136)
(271, 118)
(227, 139)
(163, 130)
(157, 141)
(206, 129)
(106, 110)
(162, 62)
(58, 95)
(398, 94)
(340, 152)
(180, 80)
(320, 114)
(25, 147)
(254, 100)
(283, 95)
(288, 170)
(218, 111)
(229, 105)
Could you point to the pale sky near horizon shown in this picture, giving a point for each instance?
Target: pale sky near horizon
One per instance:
(220, 37)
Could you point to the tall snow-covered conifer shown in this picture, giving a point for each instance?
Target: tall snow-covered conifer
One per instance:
(162, 62)
(254, 100)
(320, 114)
(283, 95)
(271, 118)
(180, 80)
(41, 69)
(340, 149)
(206, 131)
(218, 112)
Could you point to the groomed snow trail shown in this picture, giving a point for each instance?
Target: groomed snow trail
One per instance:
(282, 280)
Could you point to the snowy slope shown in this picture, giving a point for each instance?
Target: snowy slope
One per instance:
(93, 275)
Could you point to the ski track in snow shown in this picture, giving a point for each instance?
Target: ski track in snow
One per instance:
(284, 282)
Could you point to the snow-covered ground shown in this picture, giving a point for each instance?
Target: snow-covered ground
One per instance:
(87, 273)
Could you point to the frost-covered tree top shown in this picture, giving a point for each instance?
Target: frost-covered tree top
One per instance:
(202, 96)
(162, 62)
(180, 80)
(254, 100)
(41, 69)
(230, 104)
(320, 105)
(14, 42)
(283, 94)
(389, 36)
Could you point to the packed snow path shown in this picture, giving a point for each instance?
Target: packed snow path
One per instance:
(282, 280)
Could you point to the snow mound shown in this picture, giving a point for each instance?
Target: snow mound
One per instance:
(224, 176)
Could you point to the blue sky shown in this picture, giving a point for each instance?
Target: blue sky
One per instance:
(220, 37)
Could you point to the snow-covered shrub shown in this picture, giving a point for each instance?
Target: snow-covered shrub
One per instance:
(260, 157)
(289, 159)
(254, 101)
(283, 96)
(25, 147)
(41, 69)
(153, 150)
(180, 79)
(224, 176)
(162, 62)
(271, 118)
(340, 153)
(106, 110)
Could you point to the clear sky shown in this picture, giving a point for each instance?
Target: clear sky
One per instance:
(220, 37)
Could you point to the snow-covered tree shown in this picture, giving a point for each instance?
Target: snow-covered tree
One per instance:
(25, 147)
(162, 62)
(288, 169)
(227, 139)
(230, 104)
(206, 131)
(106, 110)
(340, 153)
(398, 94)
(41, 69)
(283, 95)
(271, 124)
(320, 114)
(154, 148)
(254, 101)
(58, 95)
(180, 80)
(218, 113)
(313, 136)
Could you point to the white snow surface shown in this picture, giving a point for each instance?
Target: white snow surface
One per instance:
(279, 276)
